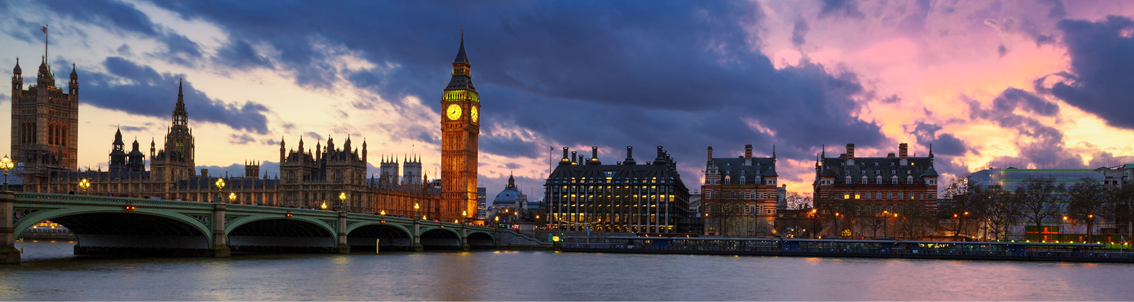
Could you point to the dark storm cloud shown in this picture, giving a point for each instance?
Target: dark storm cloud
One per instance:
(125, 18)
(241, 55)
(680, 74)
(147, 89)
(844, 8)
(943, 144)
(1102, 64)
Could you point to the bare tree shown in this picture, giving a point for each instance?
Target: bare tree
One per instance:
(799, 201)
(1089, 201)
(1000, 209)
(913, 220)
(1040, 200)
(724, 206)
(964, 206)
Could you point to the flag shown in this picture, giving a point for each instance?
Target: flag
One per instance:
(45, 29)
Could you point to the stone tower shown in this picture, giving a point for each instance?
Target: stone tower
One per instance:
(176, 161)
(460, 129)
(45, 122)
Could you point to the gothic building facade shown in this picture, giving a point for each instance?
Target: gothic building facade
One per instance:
(171, 176)
(45, 122)
(460, 129)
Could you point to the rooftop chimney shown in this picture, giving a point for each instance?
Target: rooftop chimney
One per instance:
(629, 156)
(710, 153)
(850, 151)
(903, 150)
(747, 155)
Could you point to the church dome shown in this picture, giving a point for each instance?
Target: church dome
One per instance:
(509, 195)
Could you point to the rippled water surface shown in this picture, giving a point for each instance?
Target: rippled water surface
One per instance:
(50, 273)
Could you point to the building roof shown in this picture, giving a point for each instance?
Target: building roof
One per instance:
(872, 167)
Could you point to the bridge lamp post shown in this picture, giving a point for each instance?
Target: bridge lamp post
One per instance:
(231, 196)
(84, 184)
(6, 164)
(220, 186)
(342, 202)
(415, 207)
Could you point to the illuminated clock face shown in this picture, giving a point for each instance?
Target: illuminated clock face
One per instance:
(475, 114)
(453, 112)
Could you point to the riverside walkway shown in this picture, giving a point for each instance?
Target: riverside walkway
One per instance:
(1015, 251)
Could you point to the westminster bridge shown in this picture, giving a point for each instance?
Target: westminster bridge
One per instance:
(118, 225)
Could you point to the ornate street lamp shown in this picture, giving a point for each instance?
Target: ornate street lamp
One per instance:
(231, 196)
(415, 207)
(220, 186)
(6, 164)
(342, 202)
(324, 205)
(84, 184)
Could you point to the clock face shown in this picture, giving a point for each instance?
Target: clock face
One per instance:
(475, 114)
(453, 112)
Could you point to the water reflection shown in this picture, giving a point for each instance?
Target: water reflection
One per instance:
(52, 274)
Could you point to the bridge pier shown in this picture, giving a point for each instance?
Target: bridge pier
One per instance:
(341, 245)
(8, 252)
(464, 238)
(220, 241)
(417, 237)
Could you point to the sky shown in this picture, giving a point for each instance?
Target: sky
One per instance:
(1029, 84)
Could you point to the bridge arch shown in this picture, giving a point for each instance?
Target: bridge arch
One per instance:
(364, 235)
(479, 239)
(103, 228)
(276, 231)
(440, 238)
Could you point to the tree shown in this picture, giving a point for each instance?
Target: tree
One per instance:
(1040, 199)
(1089, 201)
(1000, 209)
(963, 206)
(913, 220)
(1123, 208)
(723, 206)
(798, 201)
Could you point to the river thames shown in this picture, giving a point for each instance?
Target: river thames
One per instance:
(51, 273)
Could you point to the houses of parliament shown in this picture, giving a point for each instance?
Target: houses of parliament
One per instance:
(45, 144)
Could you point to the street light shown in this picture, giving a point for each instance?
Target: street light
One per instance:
(220, 186)
(463, 214)
(415, 207)
(6, 164)
(84, 184)
(342, 202)
(231, 196)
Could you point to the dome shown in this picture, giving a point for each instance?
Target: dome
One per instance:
(508, 196)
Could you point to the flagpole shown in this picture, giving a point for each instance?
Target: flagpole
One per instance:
(45, 41)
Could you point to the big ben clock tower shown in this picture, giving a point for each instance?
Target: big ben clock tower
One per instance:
(460, 128)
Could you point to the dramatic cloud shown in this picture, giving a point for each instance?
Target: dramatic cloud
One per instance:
(943, 144)
(844, 8)
(1039, 144)
(126, 18)
(1102, 66)
(599, 74)
(137, 89)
